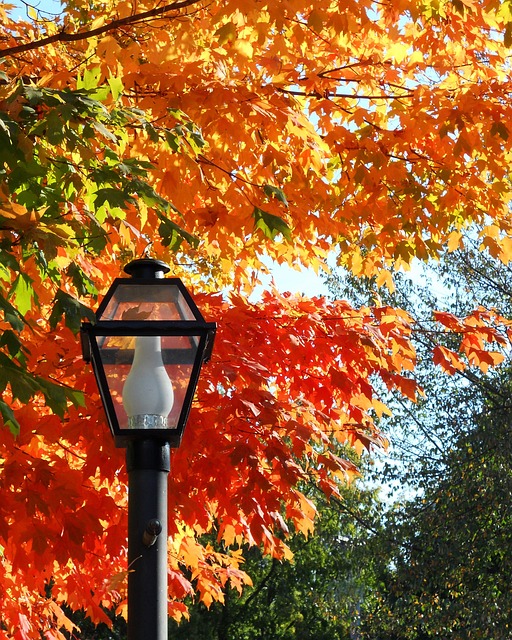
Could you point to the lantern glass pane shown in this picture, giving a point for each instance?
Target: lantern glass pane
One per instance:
(159, 380)
(147, 302)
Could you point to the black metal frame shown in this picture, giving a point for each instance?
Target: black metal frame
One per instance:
(148, 463)
(90, 333)
(149, 282)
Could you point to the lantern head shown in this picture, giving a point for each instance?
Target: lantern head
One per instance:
(146, 348)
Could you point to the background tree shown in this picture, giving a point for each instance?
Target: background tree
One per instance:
(447, 538)
(451, 573)
(317, 595)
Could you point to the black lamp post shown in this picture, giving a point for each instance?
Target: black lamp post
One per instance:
(146, 348)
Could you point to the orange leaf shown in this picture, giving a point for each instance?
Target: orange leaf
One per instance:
(448, 359)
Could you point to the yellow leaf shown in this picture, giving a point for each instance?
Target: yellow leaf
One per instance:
(415, 58)
(244, 48)
(454, 240)
(355, 262)
(385, 279)
(397, 52)
(99, 22)
(506, 254)
(381, 409)
(51, 27)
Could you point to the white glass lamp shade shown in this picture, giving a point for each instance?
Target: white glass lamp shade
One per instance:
(148, 396)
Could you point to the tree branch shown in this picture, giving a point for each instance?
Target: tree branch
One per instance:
(330, 95)
(63, 36)
(259, 588)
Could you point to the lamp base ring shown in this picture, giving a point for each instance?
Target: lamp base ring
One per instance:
(148, 421)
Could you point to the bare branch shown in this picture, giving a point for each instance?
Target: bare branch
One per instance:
(331, 95)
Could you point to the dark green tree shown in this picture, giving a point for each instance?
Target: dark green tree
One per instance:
(449, 573)
(317, 596)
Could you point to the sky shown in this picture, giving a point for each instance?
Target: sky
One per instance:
(48, 7)
(305, 282)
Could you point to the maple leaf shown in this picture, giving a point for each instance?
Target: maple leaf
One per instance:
(448, 359)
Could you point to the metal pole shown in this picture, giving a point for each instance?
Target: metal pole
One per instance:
(148, 465)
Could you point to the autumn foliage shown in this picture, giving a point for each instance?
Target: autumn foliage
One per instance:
(211, 134)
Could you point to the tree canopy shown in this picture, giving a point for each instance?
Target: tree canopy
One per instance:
(210, 134)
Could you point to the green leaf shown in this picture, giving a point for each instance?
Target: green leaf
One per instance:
(173, 235)
(33, 94)
(151, 131)
(271, 226)
(116, 86)
(195, 137)
(9, 419)
(114, 197)
(196, 140)
(7, 260)
(150, 196)
(89, 79)
(83, 284)
(72, 310)
(23, 385)
(99, 95)
(23, 293)
(135, 167)
(173, 139)
(11, 315)
(14, 346)
(9, 131)
(55, 129)
(57, 396)
(102, 129)
(275, 192)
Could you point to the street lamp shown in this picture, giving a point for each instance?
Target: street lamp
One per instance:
(146, 348)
